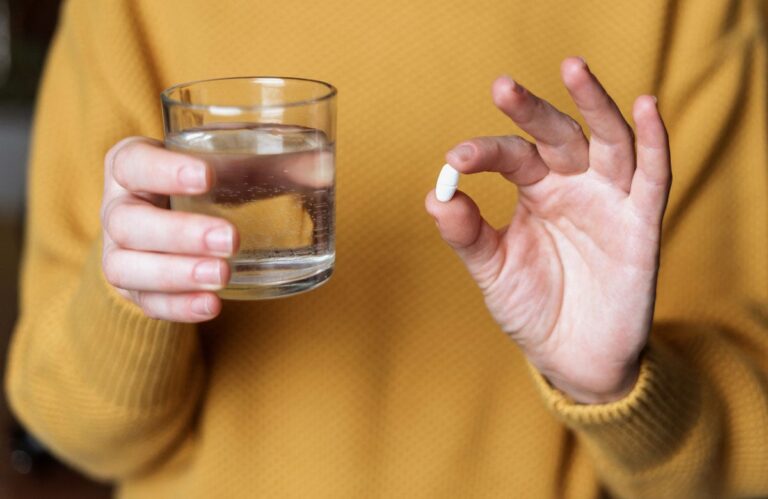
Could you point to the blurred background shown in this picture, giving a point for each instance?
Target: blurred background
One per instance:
(26, 27)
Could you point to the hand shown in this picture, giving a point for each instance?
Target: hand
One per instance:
(166, 262)
(572, 279)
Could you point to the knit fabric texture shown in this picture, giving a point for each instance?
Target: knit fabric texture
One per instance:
(392, 380)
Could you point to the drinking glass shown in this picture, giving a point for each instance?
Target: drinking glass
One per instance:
(270, 142)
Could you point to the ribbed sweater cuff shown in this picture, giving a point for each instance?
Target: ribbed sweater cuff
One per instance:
(130, 360)
(644, 427)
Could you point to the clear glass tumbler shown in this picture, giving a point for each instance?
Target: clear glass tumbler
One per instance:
(270, 142)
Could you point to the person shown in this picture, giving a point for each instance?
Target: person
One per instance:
(394, 379)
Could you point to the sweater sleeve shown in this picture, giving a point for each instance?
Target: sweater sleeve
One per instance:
(105, 388)
(696, 423)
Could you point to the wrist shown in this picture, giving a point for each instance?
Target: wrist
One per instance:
(608, 387)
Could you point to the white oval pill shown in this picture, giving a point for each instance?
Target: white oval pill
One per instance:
(447, 182)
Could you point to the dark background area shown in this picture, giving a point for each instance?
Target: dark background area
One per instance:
(26, 27)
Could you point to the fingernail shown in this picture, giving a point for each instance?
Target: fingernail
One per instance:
(655, 99)
(201, 305)
(192, 177)
(516, 87)
(583, 62)
(208, 272)
(464, 152)
(220, 240)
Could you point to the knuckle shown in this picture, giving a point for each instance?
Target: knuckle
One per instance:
(110, 267)
(575, 126)
(111, 157)
(520, 147)
(529, 154)
(663, 180)
(513, 139)
(146, 305)
(495, 149)
(124, 153)
(529, 150)
(118, 225)
(120, 160)
(106, 208)
(107, 214)
(526, 114)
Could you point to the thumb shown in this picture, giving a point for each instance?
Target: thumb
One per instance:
(465, 230)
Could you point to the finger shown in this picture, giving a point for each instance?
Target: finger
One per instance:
(559, 138)
(141, 271)
(183, 307)
(142, 165)
(514, 157)
(611, 143)
(653, 177)
(249, 177)
(464, 229)
(133, 224)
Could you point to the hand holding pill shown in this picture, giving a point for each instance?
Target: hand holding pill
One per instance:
(572, 278)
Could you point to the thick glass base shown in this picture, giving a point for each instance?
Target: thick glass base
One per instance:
(259, 291)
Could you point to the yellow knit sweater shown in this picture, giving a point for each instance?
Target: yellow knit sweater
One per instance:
(392, 381)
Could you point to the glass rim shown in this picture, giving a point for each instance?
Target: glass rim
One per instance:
(165, 94)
